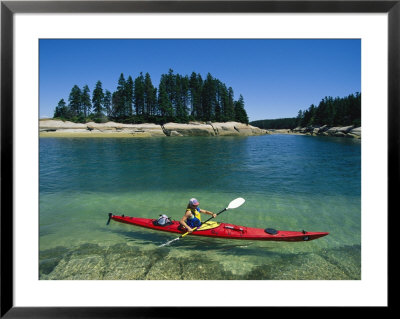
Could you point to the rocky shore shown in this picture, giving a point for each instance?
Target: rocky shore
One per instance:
(54, 128)
(347, 131)
(58, 128)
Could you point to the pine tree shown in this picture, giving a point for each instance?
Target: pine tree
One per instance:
(230, 107)
(138, 95)
(75, 101)
(240, 112)
(299, 118)
(195, 94)
(120, 101)
(98, 99)
(108, 103)
(155, 104)
(219, 101)
(223, 101)
(170, 82)
(62, 110)
(149, 96)
(114, 104)
(181, 98)
(86, 103)
(128, 96)
(355, 109)
(164, 102)
(208, 98)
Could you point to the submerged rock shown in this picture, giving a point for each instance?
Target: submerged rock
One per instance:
(127, 267)
(88, 267)
(347, 259)
(165, 269)
(342, 263)
(125, 262)
(49, 259)
(197, 268)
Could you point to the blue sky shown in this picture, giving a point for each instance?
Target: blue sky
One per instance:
(277, 78)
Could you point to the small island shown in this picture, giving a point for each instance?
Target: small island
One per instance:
(180, 106)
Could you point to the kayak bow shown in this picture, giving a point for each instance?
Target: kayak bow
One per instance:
(223, 230)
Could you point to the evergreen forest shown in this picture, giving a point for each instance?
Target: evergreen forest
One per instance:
(330, 111)
(177, 99)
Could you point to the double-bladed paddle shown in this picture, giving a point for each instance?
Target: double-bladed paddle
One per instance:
(233, 204)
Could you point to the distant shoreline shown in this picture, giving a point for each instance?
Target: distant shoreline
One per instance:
(346, 131)
(284, 131)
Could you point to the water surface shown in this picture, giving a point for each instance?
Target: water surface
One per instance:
(289, 183)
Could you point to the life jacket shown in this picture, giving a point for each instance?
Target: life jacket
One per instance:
(195, 220)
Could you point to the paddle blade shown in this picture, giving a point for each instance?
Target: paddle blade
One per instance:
(169, 242)
(236, 203)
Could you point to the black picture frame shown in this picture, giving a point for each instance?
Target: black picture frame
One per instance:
(9, 8)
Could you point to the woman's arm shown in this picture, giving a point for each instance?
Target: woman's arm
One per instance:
(183, 221)
(208, 212)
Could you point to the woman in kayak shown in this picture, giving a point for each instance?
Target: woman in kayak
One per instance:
(192, 217)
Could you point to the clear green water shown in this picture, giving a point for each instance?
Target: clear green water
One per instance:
(289, 183)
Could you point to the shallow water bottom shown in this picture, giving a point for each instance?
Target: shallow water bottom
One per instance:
(126, 262)
(76, 243)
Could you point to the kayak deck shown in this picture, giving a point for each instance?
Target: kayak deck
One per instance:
(224, 230)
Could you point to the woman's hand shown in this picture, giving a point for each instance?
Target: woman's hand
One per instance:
(189, 230)
(210, 213)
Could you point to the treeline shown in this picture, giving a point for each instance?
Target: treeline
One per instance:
(177, 99)
(287, 123)
(333, 112)
(330, 111)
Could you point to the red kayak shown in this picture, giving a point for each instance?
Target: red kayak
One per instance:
(223, 230)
